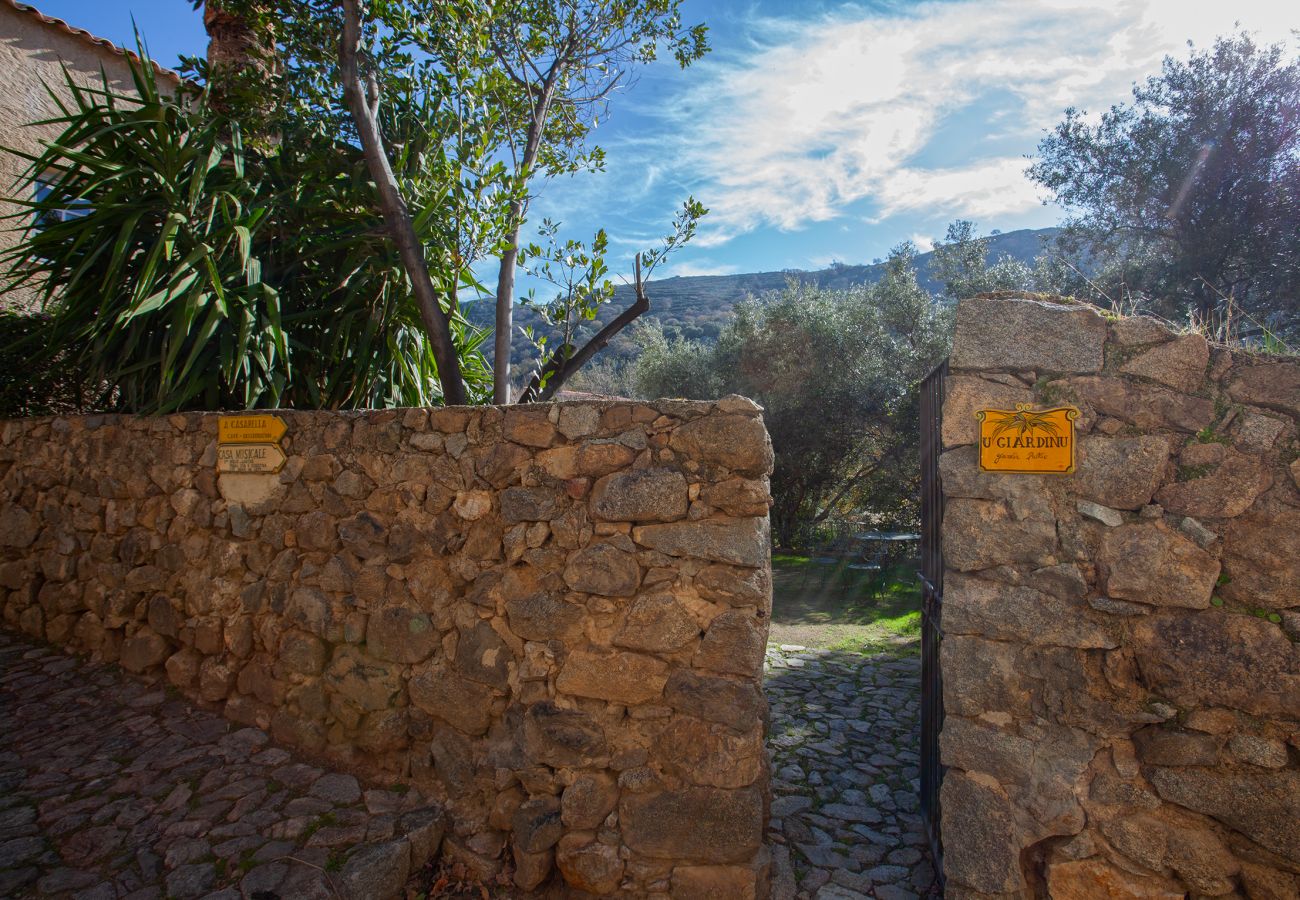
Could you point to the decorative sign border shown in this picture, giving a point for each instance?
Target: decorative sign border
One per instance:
(1026, 419)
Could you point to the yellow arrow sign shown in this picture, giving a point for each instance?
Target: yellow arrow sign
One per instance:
(250, 429)
(249, 459)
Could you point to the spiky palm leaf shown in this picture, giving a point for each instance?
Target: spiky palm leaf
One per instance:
(205, 276)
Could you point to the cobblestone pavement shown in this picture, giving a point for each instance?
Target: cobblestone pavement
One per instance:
(845, 742)
(110, 789)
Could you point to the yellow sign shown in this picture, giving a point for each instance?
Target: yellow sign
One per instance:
(1026, 440)
(250, 429)
(250, 459)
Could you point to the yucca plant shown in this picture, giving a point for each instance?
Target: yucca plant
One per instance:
(177, 269)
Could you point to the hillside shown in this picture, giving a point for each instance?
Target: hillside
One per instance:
(697, 306)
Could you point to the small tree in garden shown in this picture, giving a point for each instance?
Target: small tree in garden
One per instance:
(836, 372)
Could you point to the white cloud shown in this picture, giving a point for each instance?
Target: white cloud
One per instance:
(922, 242)
(820, 115)
(696, 267)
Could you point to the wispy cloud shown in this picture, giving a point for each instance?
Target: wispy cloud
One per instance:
(686, 269)
(853, 109)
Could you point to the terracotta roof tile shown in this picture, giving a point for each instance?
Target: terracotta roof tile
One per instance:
(83, 35)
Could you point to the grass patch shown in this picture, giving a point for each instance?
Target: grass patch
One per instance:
(317, 824)
(824, 603)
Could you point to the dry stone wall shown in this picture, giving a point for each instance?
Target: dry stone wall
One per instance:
(1121, 672)
(552, 616)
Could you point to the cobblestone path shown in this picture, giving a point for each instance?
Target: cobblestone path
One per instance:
(845, 742)
(109, 789)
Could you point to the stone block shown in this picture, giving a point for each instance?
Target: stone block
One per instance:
(397, 634)
(1146, 406)
(734, 643)
(735, 442)
(536, 825)
(710, 755)
(987, 858)
(1121, 472)
(1150, 563)
(465, 705)
(706, 824)
(737, 704)
(1272, 385)
(1261, 555)
(530, 504)
(369, 683)
(143, 651)
(657, 623)
(617, 676)
(1218, 658)
(588, 800)
(964, 395)
(981, 534)
(482, 656)
(1180, 364)
(18, 527)
(589, 865)
(1160, 746)
(1028, 334)
(742, 497)
(1008, 613)
(560, 737)
(736, 586)
(543, 617)
(1226, 491)
(716, 883)
(743, 542)
(1264, 805)
(640, 495)
(603, 569)
(1088, 878)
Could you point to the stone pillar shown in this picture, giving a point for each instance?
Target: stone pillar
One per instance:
(1121, 674)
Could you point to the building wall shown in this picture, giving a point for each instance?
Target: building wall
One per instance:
(32, 56)
(552, 616)
(1121, 672)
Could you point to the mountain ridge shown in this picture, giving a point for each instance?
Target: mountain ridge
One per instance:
(696, 307)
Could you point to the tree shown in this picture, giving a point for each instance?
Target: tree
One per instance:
(836, 372)
(522, 81)
(563, 60)
(961, 263)
(1189, 195)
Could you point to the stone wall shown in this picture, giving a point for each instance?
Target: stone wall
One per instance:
(1121, 674)
(552, 616)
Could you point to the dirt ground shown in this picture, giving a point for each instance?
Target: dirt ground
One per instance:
(821, 602)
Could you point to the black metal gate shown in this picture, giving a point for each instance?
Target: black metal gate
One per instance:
(932, 607)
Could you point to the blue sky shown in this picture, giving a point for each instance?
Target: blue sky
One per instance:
(831, 131)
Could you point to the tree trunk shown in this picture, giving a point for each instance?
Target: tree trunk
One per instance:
(506, 276)
(240, 58)
(397, 218)
(505, 313)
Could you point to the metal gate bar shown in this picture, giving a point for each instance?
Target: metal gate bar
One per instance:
(931, 576)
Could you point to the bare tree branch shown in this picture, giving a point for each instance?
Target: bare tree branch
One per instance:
(363, 103)
(563, 363)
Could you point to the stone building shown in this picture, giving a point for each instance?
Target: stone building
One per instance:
(34, 48)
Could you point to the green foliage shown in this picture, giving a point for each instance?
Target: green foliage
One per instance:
(961, 263)
(1187, 197)
(202, 275)
(836, 373)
